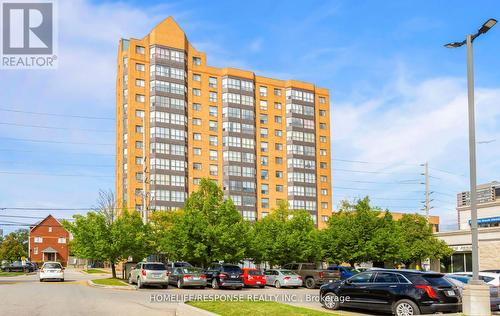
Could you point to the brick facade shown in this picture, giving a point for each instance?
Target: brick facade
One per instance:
(48, 241)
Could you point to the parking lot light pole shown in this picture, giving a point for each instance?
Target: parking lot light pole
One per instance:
(476, 300)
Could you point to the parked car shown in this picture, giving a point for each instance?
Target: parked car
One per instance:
(17, 266)
(177, 264)
(401, 292)
(488, 277)
(51, 271)
(283, 278)
(149, 273)
(461, 280)
(345, 272)
(312, 275)
(224, 275)
(188, 277)
(253, 277)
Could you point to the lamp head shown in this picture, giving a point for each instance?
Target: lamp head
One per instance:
(487, 26)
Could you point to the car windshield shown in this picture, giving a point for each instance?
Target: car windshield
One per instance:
(154, 266)
(52, 265)
(231, 269)
(486, 278)
(190, 270)
(286, 272)
(436, 280)
(254, 272)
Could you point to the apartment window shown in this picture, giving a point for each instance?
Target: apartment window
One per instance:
(139, 176)
(263, 119)
(214, 170)
(212, 82)
(279, 160)
(323, 165)
(196, 181)
(264, 147)
(322, 125)
(322, 152)
(196, 121)
(196, 77)
(140, 82)
(61, 240)
(264, 174)
(322, 100)
(139, 49)
(196, 92)
(196, 136)
(324, 191)
(278, 146)
(278, 133)
(263, 132)
(213, 155)
(324, 179)
(279, 188)
(324, 205)
(140, 67)
(277, 119)
(322, 113)
(277, 105)
(138, 160)
(140, 98)
(324, 218)
(213, 96)
(139, 129)
(322, 139)
(35, 250)
(263, 105)
(139, 144)
(212, 126)
(196, 107)
(196, 61)
(264, 214)
(264, 188)
(196, 166)
(38, 240)
(264, 160)
(212, 111)
(263, 91)
(279, 174)
(277, 92)
(213, 140)
(197, 151)
(264, 203)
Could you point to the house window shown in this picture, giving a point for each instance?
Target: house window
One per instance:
(35, 250)
(196, 77)
(38, 240)
(139, 49)
(50, 229)
(196, 61)
(61, 240)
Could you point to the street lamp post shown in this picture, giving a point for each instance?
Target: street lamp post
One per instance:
(472, 305)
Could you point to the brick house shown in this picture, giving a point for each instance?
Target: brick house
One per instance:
(48, 241)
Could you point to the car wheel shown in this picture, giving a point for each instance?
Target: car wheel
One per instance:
(41, 280)
(139, 283)
(261, 286)
(215, 284)
(62, 280)
(130, 281)
(277, 284)
(330, 301)
(179, 284)
(165, 286)
(310, 284)
(405, 308)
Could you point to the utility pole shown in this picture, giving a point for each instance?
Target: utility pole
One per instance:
(427, 191)
(144, 172)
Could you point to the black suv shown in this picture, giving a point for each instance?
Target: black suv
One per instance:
(401, 292)
(224, 275)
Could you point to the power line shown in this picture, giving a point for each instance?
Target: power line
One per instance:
(64, 153)
(59, 115)
(448, 172)
(30, 217)
(59, 164)
(53, 141)
(375, 163)
(371, 172)
(44, 208)
(55, 175)
(377, 182)
(57, 128)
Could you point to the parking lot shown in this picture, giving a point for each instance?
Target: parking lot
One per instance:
(25, 295)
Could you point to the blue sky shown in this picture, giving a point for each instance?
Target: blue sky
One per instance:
(398, 97)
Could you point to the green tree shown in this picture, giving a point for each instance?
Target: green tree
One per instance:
(96, 237)
(285, 236)
(208, 229)
(417, 241)
(15, 245)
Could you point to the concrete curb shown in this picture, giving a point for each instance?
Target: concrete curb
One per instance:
(123, 288)
(188, 310)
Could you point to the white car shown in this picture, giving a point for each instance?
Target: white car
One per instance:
(488, 277)
(52, 270)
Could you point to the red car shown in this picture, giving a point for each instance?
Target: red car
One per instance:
(253, 277)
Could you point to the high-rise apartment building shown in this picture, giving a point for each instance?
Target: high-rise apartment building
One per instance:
(180, 120)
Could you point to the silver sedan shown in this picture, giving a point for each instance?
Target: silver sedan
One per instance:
(283, 278)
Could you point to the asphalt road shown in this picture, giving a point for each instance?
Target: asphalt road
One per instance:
(26, 295)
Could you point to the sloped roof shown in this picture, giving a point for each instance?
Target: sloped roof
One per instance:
(49, 249)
